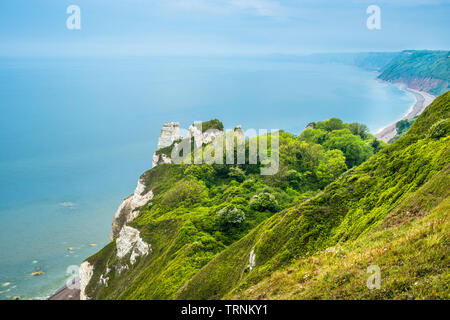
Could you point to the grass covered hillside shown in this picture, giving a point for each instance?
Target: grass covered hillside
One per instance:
(341, 201)
(391, 210)
(198, 211)
(422, 70)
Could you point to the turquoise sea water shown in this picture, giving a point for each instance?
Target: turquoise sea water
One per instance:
(75, 134)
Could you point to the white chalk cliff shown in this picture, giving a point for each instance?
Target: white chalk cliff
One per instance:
(195, 131)
(86, 271)
(130, 240)
(127, 210)
(160, 159)
(170, 133)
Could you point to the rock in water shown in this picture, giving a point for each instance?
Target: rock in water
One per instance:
(37, 273)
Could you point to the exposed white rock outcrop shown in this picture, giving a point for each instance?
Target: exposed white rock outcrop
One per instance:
(86, 271)
(170, 132)
(195, 131)
(160, 159)
(103, 280)
(130, 240)
(251, 260)
(121, 267)
(127, 210)
(139, 198)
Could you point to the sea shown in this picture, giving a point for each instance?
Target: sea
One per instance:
(76, 134)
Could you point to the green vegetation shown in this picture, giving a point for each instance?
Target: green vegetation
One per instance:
(425, 70)
(412, 257)
(167, 151)
(199, 210)
(403, 182)
(212, 124)
(402, 128)
(340, 196)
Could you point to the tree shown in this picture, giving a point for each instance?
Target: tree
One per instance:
(331, 167)
(313, 135)
(229, 217)
(355, 150)
(330, 125)
(359, 129)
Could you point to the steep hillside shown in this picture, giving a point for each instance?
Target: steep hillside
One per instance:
(403, 182)
(181, 216)
(412, 257)
(374, 61)
(421, 70)
(215, 231)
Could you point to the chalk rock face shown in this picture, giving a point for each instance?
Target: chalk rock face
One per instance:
(86, 271)
(251, 260)
(170, 132)
(127, 210)
(130, 240)
(139, 198)
(160, 159)
(195, 131)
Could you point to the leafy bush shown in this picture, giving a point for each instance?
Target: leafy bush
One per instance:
(185, 193)
(330, 125)
(203, 172)
(264, 202)
(359, 129)
(237, 174)
(439, 129)
(331, 167)
(212, 124)
(230, 216)
(355, 150)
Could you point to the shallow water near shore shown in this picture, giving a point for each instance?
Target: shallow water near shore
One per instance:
(77, 133)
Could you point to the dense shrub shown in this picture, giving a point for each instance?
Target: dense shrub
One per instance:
(331, 167)
(230, 216)
(237, 174)
(264, 202)
(439, 129)
(355, 149)
(185, 193)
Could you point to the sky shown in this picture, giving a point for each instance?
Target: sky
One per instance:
(196, 27)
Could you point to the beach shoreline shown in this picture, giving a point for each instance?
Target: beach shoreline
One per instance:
(423, 100)
(66, 293)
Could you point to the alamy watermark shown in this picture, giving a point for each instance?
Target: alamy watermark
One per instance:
(73, 281)
(374, 20)
(73, 22)
(231, 147)
(374, 280)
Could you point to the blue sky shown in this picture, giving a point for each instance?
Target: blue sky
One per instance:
(143, 27)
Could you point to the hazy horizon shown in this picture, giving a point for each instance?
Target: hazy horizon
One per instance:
(219, 27)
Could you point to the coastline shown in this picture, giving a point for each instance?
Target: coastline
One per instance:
(423, 100)
(66, 294)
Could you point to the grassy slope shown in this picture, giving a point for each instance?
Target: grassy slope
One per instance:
(413, 260)
(421, 65)
(346, 211)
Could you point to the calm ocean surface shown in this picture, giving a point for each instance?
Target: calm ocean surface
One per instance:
(75, 135)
